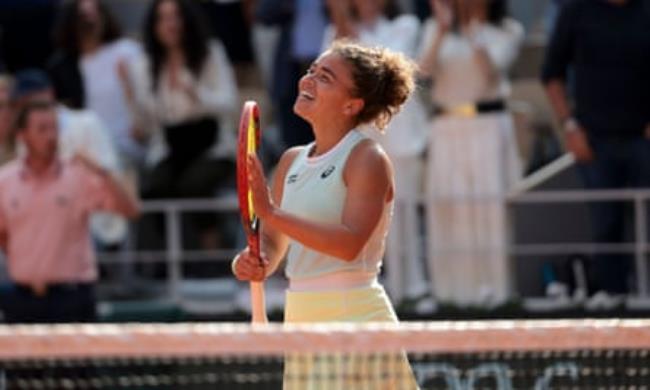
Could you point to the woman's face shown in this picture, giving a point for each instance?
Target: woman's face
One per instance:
(90, 17)
(367, 9)
(169, 25)
(470, 9)
(325, 92)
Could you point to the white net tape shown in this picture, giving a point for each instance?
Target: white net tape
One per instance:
(203, 339)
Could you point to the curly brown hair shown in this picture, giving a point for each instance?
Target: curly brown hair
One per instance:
(384, 79)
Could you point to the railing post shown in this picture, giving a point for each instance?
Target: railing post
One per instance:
(641, 235)
(127, 263)
(174, 251)
(511, 257)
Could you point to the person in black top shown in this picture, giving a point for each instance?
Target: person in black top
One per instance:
(606, 44)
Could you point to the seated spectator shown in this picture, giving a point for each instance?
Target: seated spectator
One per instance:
(187, 89)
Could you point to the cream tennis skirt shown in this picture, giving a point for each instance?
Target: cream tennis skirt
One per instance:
(344, 371)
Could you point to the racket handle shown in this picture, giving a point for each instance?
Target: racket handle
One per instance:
(258, 304)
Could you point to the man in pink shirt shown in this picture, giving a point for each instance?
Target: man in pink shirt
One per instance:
(45, 204)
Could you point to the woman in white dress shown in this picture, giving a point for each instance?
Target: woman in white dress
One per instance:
(370, 23)
(473, 161)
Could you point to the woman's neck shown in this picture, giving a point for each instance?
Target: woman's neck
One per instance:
(369, 19)
(468, 13)
(327, 136)
(175, 55)
(89, 45)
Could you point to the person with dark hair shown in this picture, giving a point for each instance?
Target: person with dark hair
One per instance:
(331, 203)
(90, 70)
(601, 49)
(186, 87)
(376, 23)
(473, 159)
(45, 203)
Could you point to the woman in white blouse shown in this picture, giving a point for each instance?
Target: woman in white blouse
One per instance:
(88, 71)
(467, 49)
(371, 23)
(187, 89)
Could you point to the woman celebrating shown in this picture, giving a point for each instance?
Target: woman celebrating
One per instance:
(473, 159)
(331, 201)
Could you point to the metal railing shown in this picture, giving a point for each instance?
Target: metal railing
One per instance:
(174, 254)
(640, 247)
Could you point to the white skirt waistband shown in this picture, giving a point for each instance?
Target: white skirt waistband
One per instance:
(334, 281)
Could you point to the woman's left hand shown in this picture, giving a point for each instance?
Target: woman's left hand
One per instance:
(261, 199)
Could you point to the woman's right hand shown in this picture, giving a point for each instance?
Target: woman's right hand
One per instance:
(443, 13)
(338, 9)
(122, 69)
(247, 267)
(341, 16)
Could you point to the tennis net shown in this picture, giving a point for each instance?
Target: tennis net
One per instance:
(584, 354)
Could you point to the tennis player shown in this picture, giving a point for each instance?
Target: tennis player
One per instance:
(331, 201)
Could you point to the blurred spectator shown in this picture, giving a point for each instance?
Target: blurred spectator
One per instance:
(302, 24)
(230, 22)
(80, 131)
(606, 44)
(187, 87)
(473, 157)
(90, 70)
(7, 141)
(375, 23)
(44, 208)
(552, 10)
(26, 24)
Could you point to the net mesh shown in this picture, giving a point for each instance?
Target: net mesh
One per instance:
(593, 354)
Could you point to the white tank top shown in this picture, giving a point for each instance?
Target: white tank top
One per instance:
(314, 189)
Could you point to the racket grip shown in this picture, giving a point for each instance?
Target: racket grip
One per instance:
(258, 304)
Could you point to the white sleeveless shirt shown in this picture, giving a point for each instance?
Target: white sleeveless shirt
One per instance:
(314, 189)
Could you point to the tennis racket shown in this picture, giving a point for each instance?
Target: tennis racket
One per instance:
(248, 143)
